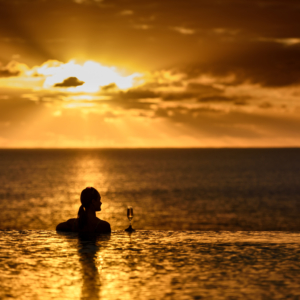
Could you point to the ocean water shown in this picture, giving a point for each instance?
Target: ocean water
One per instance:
(169, 189)
(211, 224)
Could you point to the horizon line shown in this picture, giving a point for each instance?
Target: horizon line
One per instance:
(140, 148)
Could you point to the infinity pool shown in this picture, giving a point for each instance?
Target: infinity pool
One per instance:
(150, 265)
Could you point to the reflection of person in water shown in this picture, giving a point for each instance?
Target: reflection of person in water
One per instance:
(87, 220)
(91, 252)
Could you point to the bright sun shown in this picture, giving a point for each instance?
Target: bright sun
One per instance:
(92, 74)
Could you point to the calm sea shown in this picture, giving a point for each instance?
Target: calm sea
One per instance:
(169, 189)
(211, 224)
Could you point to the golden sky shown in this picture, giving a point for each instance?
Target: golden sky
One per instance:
(128, 73)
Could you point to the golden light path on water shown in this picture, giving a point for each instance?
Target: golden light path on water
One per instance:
(149, 265)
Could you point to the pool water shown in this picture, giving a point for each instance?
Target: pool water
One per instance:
(150, 265)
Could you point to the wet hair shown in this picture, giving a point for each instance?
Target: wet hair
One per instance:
(86, 197)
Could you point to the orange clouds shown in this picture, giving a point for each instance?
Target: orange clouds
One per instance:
(87, 77)
(168, 108)
(199, 73)
(13, 69)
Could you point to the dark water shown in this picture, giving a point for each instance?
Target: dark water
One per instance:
(169, 189)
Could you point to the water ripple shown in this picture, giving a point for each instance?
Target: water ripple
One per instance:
(150, 265)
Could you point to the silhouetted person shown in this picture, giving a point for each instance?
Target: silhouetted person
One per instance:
(87, 220)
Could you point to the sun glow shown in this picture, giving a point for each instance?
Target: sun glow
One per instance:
(91, 76)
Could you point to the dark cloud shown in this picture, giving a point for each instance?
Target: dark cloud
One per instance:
(178, 96)
(193, 91)
(215, 99)
(131, 99)
(109, 87)
(127, 105)
(201, 88)
(240, 102)
(265, 105)
(8, 73)
(70, 82)
(230, 36)
(266, 63)
(136, 94)
(206, 93)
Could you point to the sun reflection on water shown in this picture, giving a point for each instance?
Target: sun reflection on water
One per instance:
(89, 172)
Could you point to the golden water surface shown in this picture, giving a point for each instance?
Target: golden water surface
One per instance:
(149, 265)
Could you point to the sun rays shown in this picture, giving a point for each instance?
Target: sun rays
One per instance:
(88, 104)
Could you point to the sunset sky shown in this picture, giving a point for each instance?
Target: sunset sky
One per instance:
(128, 73)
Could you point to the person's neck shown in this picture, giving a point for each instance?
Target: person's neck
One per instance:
(91, 214)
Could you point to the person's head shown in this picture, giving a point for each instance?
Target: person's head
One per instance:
(90, 200)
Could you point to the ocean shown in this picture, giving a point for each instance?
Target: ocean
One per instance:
(210, 224)
(169, 189)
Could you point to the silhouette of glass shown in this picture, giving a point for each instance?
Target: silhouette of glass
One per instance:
(130, 217)
(130, 213)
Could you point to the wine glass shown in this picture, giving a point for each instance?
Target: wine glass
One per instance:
(130, 214)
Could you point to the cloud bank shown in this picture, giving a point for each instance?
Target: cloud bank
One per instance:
(193, 73)
(166, 108)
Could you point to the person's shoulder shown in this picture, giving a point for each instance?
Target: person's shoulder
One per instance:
(67, 226)
(103, 227)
